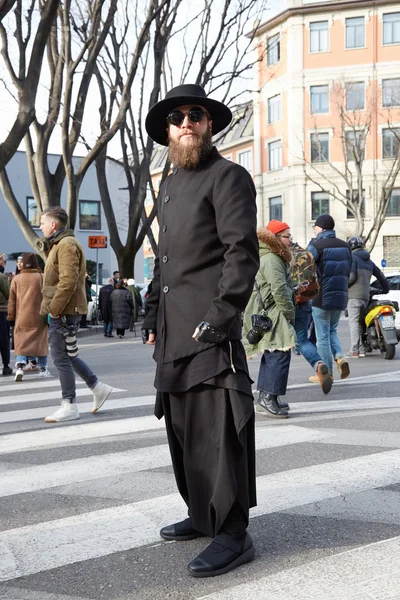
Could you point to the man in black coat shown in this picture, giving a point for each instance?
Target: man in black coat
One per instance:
(203, 279)
(105, 306)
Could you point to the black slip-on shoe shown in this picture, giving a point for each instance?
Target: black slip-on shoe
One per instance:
(180, 532)
(219, 558)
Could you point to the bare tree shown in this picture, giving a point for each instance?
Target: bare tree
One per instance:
(345, 181)
(24, 75)
(209, 49)
(78, 36)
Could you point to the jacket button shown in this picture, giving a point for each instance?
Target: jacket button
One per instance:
(165, 259)
(164, 228)
(166, 199)
(165, 289)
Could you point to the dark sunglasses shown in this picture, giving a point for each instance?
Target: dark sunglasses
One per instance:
(196, 114)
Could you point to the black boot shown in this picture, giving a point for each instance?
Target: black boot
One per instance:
(268, 404)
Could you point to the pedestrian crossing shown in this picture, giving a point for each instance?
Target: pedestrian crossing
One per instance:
(90, 496)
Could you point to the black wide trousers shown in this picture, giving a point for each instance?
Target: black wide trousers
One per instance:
(211, 438)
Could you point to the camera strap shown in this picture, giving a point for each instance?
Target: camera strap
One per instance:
(261, 301)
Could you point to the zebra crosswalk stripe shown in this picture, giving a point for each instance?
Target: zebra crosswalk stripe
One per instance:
(95, 534)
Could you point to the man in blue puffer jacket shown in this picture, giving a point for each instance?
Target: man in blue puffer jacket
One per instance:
(362, 269)
(333, 259)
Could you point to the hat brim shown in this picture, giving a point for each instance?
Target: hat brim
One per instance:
(156, 125)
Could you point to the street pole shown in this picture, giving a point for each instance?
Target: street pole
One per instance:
(97, 273)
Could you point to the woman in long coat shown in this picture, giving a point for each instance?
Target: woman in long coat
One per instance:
(30, 330)
(121, 308)
(275, 286)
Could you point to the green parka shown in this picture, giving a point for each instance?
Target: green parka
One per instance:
(275, 283)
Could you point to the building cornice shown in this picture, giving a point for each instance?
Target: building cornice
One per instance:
(320, 7)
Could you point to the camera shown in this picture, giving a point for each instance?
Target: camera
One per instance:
(260, 324)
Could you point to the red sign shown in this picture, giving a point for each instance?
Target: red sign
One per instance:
(97, 241)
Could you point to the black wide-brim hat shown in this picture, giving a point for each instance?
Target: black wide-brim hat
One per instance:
(188, 93)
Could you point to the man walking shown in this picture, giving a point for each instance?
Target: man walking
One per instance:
(333, 260)
(304, 271)
(203, 279)
(64, 299)
(4, 324)
(362, 269)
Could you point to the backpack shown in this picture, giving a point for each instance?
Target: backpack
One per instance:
(304, 269)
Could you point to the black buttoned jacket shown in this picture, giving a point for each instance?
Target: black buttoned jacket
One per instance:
(208, 255)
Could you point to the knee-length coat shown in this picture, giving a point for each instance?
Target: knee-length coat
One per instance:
(208, 255)
(30, 331)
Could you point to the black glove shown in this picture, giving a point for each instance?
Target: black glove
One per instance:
(146, 333)
(209, 334)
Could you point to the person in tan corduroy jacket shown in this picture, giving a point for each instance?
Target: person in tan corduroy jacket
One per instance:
(64, 299)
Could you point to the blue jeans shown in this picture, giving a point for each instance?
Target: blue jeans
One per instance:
(42, 360)
(274, 372)
(65, 364)
(108, 327)
(303, 344)
(328, 343)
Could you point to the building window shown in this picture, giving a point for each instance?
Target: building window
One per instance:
(319, 147)
(245, 159)
(319, 204)
(355, 145)
(394, 204)
(32, 212)
(89, 215)
(355, 32)
(319, 36)
(149, 267)
(275, 155)
(391, 92)
(391, 142)
(319, 98)
(349, 214)
(391, 250)
(274, 50)
(355, 96)
(391, 28)
(274, 108)
(275, 208)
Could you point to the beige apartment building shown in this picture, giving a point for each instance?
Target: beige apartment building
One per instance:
(329, 82)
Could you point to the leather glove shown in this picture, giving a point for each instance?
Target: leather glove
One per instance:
(209, 334)
(146, 333)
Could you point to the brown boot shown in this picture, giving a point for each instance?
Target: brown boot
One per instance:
(343, 366)
(325, 380)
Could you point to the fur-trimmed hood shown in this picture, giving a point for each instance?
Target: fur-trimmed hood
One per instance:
(270, 243)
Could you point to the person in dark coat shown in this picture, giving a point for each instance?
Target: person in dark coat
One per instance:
(362, 269)
(121, 308)
(105, 306)
(333, 261)
(203, 279)
(88, 291)
(4, 324)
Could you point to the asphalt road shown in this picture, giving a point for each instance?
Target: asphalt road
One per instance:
(81, 503)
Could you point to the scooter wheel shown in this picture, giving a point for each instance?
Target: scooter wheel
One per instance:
(390, 352)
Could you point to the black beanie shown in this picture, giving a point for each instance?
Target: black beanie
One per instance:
(325, 222)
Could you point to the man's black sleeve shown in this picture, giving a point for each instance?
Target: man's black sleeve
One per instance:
(353, 272)
(381, 278)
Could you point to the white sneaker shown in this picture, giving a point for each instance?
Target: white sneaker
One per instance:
(101, 392)
(67, 412)
(44, 373)
(19, 374)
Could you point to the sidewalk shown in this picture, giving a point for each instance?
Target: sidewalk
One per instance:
(98, 330)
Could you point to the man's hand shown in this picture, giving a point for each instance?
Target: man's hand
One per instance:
(53, 317)
(196, 331)
(149, 336)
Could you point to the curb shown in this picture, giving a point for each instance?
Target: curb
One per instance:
(98, 330)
